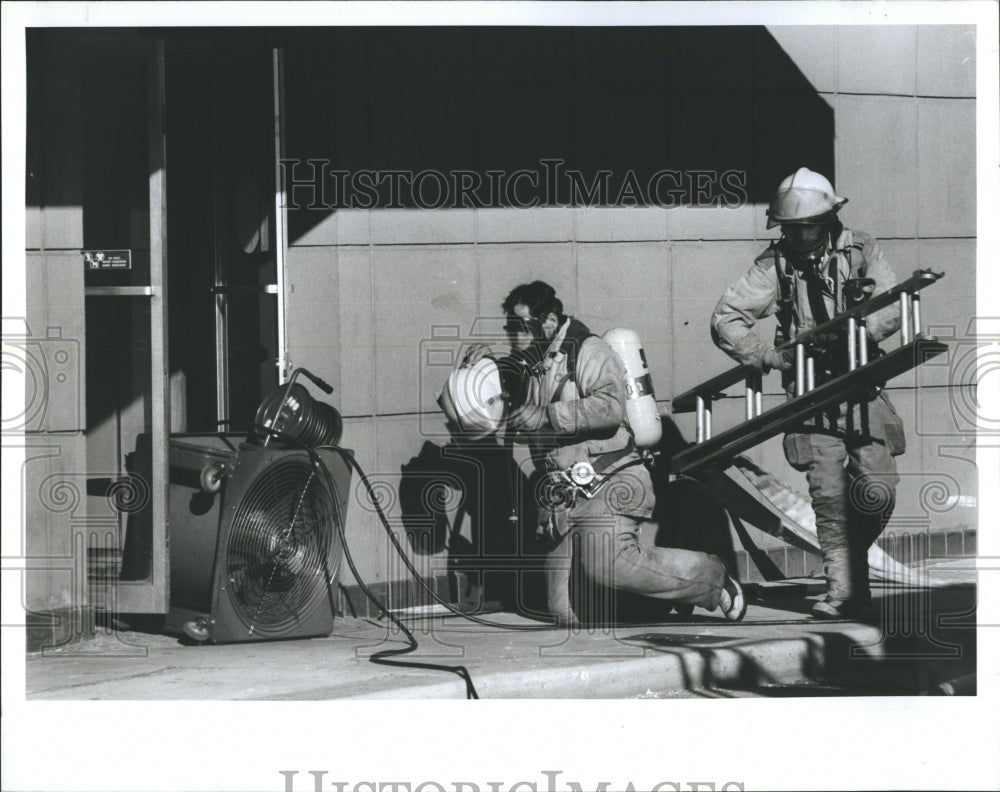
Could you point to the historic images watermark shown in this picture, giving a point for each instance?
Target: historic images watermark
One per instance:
(315, 184)
(316, 781)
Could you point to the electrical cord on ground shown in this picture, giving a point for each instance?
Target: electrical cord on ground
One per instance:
(382, 657)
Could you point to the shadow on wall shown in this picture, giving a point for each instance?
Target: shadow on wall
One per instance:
(459, 499)
(473, 117)
(414, 117)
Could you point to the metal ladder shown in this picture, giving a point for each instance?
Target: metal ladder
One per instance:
(719, 450)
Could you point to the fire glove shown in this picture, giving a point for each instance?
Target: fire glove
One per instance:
(529, 418)
(773, 359)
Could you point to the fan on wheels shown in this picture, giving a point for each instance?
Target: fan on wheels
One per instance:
(256, 526)
(278, 547)
(256, 555)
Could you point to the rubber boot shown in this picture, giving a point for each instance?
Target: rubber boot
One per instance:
(838, 568)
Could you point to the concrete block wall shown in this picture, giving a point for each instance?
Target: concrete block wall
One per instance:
(369, 288)
(52, 477)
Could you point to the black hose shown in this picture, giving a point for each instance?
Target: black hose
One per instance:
(382, 657)
(413, 570)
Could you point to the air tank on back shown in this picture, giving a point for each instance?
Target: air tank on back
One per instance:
(640, 403)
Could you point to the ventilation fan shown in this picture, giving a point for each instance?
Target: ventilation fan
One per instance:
(255, 548)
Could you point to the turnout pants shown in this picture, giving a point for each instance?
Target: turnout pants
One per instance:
(852, 479)
(598, 554)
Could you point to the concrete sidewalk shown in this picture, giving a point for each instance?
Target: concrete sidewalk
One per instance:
(918, 640)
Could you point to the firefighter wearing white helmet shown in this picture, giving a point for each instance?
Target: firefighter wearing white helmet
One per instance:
(814, 271)
(596, 492)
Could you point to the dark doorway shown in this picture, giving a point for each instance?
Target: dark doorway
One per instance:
(220, 226)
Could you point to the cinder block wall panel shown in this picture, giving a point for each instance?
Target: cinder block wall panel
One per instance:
(701, 273)
(55, 352)
(723, 223)
(620, 124)
(941, 481)
(423, 226)
(643, 306)
(510, 225)
(355, 308)
(496, 103)
(938, 416)
(543, 57)
(502, 267)
(415, 288)
(946, 160)
(946, 60)
(877, 167)
(353, 226)
(877, 59)
(446, 127)
(949, 308)
(54, 479)
(61, 175)
(312, 317)
(620, 224)
(324, 232)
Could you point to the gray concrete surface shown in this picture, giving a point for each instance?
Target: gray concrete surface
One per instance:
(915, 640)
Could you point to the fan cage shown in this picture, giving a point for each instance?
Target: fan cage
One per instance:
(280, 555)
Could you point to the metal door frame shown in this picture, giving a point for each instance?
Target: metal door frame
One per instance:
(153, 595)
(280, 206)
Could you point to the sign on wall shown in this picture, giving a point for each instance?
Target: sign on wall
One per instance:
(107, 259)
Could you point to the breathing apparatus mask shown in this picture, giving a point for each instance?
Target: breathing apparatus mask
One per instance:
(515, 371)
(806, 243)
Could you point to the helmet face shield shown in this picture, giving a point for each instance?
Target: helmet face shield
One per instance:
(805, 238)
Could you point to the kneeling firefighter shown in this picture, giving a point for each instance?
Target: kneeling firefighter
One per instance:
(596, 493)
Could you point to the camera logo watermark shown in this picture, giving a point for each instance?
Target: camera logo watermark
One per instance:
(49, 366)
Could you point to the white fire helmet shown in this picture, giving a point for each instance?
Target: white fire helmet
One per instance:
(472, 399)
(803, 197)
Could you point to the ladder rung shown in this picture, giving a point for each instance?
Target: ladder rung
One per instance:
(713, 388)
(731, 442)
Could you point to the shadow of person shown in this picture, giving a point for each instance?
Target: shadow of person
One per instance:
(688, 514)
(459, 499)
